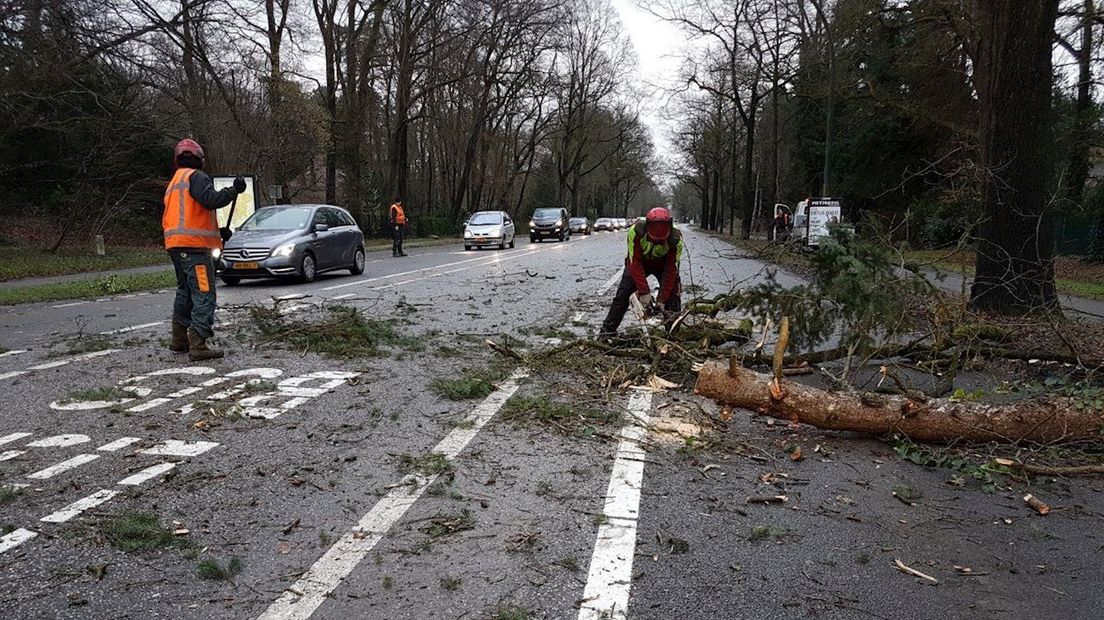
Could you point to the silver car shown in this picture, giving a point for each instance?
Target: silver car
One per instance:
(489, 228)
(301, 241)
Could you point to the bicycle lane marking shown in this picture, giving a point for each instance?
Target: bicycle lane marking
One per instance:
(306, 595)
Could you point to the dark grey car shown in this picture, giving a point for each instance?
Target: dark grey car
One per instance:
(300, 241)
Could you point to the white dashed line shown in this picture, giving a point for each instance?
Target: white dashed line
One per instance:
(147, 474)
(609, 283)
(11, 353)
(132, 328)
(70, 360)
(312, 589)
(14, 373)
(13, 437)
(72, 303)
(118, 444)
(11, 454)
(79, 506)
(64, 466)
(15, 538)
(59, 441)
(345, 296)
(174, 447)
(606, 595)
(490, 261)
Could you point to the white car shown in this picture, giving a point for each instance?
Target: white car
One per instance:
(489, 228)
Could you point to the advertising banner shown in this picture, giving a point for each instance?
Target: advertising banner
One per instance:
(823, 212)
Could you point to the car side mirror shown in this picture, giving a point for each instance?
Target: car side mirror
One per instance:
(321, 227)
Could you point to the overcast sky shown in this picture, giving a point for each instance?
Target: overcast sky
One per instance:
(658, 45)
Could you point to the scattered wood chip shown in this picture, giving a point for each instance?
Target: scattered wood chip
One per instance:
(901, 566)
(291, 526)
(768, 499)
(1037, 504)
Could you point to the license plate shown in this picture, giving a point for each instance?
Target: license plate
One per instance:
(246, 265)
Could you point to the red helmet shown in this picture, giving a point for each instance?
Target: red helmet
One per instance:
(187, 145)
(658, 224)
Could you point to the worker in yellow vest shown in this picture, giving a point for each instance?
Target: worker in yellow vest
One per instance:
(397, 219)
(191, 236)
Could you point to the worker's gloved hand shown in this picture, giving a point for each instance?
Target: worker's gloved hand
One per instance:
(239, 184)
(645, 301)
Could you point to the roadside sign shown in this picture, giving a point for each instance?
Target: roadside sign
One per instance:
(822, 213)
(245, 206)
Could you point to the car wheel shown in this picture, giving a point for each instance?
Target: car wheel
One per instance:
(512, 239)
(231, 280)
(307, 268)
(467, 248)
(532, 239)
(358, 262)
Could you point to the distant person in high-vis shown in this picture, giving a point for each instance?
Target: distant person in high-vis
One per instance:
(655, 249)
(397, 218)
(191, 236)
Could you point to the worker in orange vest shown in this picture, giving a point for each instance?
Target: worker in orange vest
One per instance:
(191, 236)
(397, 218)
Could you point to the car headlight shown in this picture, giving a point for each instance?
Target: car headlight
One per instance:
(284, 250)
(216, 253)
(559, 222)
(532, 223)
(468, 234)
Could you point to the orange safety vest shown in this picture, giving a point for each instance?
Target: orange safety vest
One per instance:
(397, 214)
(185, 222)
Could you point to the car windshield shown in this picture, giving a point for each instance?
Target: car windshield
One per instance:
(546, 214)
(292, 218)
(578, 220)
(485, 218)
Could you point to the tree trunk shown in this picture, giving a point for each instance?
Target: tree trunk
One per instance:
(1015, 268)
(1042, 420)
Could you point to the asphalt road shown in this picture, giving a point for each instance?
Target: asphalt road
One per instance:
(308, 496)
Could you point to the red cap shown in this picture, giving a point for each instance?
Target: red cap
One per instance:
(187, 145)
(658, 224)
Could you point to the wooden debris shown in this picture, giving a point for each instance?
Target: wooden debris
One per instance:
(768, 499)
(915, 573)
(1038, 505)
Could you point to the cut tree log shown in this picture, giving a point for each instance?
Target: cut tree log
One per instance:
(1045, 419)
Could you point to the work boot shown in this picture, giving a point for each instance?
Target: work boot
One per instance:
(198, 349)
(179, 342)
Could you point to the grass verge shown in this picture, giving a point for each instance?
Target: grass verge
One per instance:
(88, 289)
(22, 261)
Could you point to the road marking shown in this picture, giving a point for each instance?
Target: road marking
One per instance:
(490, 261)
(13, 437)
(607, 588)
(59, 441)
(579, 317)
(72, 303)
(15, 538)
(614, 279)
(345, 296)
(147, 474)
(132, 328)
(10, 454)
(174, 447)
(304, 597)
(64, 466)
(79, 506)
(118, 444)
(15, 352)
(14, 373)
(75, 358)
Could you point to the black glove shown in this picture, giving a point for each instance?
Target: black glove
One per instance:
(239, 184)
(225, 233)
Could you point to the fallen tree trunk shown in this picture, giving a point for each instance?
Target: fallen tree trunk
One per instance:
(1042, 420)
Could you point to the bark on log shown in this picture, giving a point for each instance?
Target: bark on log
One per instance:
(1042, 420)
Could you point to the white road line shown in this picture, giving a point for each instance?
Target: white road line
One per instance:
(118, 444)
(73, 303)
(606, 594)
(59, 441)
(10, 454)
(609, 283)
(13, 539)
(64, 466)
(132, 328)
(14, 352)
(13, 437)
(175, 447)
(70, 360)
(79, 506)
(490, 261)
(345, 296)
(14, 373)
(147, 474)
(305, 596)
(579, 317)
